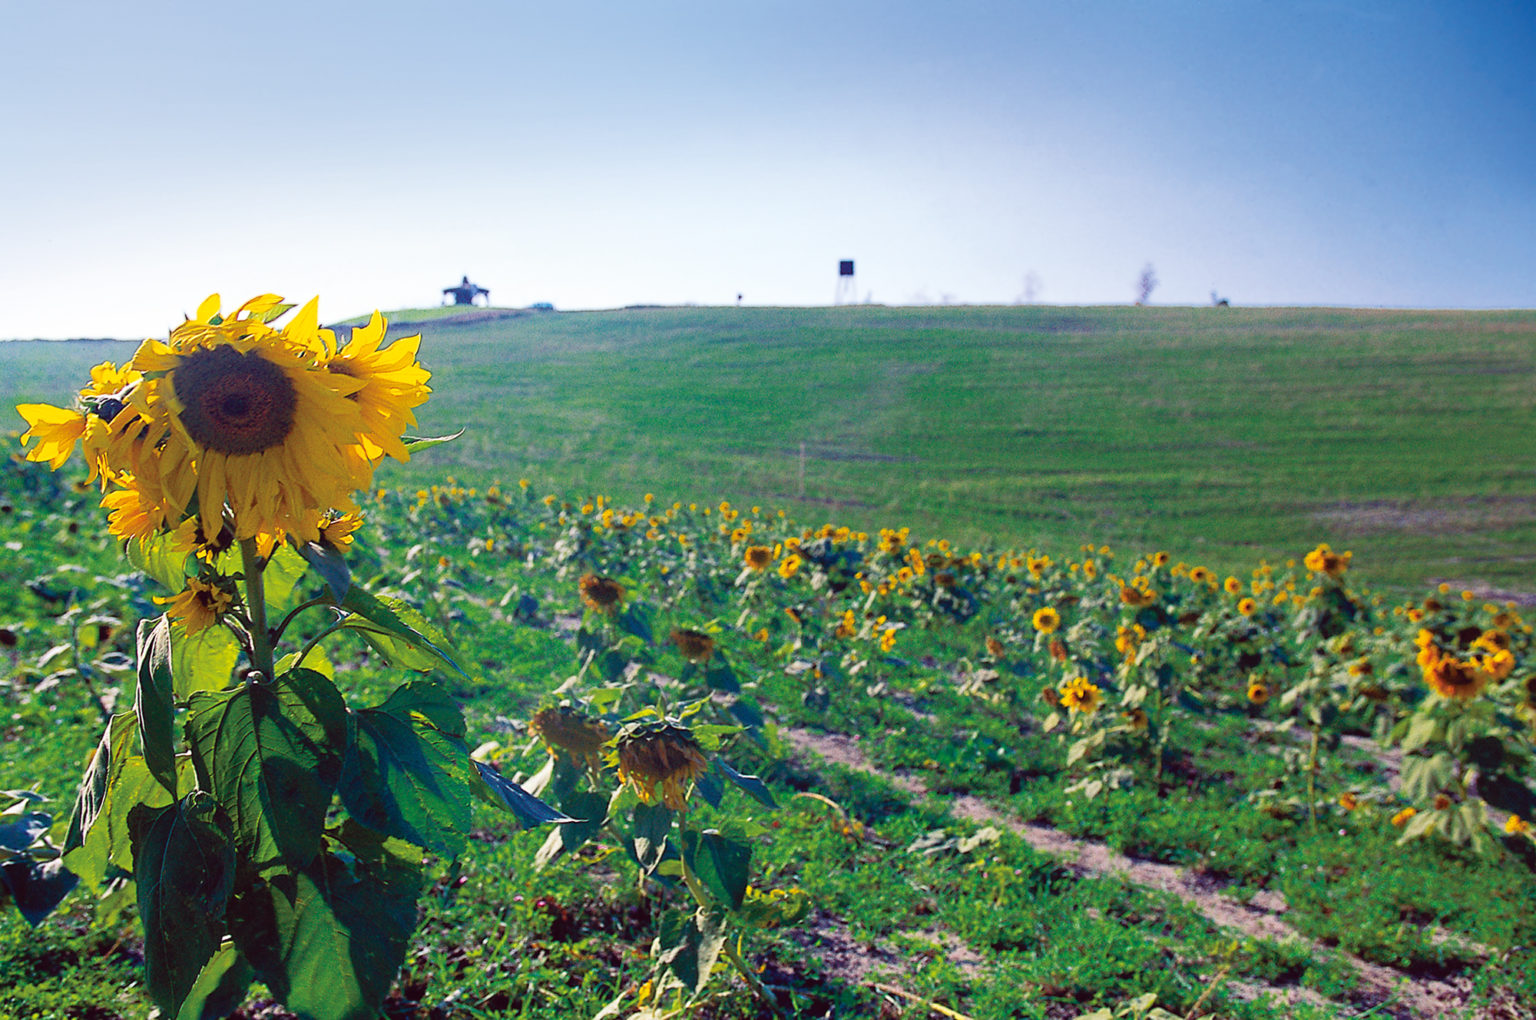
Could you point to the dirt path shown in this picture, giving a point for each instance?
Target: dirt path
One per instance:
(1410, 998)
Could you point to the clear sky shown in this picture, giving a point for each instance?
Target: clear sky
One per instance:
(1375, 152)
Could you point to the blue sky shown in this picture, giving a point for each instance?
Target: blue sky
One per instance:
(602, 154)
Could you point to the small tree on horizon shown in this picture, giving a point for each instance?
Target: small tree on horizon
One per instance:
(1145, 283)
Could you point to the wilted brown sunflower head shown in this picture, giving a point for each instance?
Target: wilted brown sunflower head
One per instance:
(661, 752)
(601, 593)
(568, 729)
(695, 645)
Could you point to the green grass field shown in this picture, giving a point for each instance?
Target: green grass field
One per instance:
(933, 804)
(1223, 435)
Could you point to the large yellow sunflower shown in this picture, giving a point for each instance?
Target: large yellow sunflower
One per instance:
(249, 420)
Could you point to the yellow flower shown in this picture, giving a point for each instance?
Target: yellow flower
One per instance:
(758, 557)
(1247, 606)
(56, 430)
(1047, 620)
(648, 753)
(888, 639)
(1453, 679)
(788, 565)
(1401, 818)
(337, 529)
(1516, 826)
(847, 627)
(1492, 641)
(1348, 801)
(1081, 695)
(603, 594)
(135, 508)
(199, 605)
(1497, 665)
(1324, 560)
(245, 415)
(1258, 692)
(1233, 585)
(394, 383)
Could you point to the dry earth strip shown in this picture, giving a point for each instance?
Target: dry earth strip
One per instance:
(1411, 999)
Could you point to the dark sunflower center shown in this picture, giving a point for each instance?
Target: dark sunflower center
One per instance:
(235, 403)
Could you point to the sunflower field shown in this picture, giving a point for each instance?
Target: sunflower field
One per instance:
(285, 740)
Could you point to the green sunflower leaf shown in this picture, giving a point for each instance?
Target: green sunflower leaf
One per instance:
(271, 755)
(184, 870)
(723, 864)
(328, 938)
(153, 700)
(499, 791)
(332, 567)
(398, 632)
(220, 986)
(407, 777)
(414, 443)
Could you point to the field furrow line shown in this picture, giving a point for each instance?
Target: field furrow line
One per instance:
(1406, 996)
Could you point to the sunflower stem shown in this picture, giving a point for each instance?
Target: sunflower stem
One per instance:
(256, 605)
(733, 954)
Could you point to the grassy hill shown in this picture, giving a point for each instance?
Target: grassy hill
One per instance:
(1222, 435)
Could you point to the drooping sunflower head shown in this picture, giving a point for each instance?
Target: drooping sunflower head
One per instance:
(658, 752)
(695, 645)
(568, 729)
(1137, 597)
(1492, 641)
(603, 594)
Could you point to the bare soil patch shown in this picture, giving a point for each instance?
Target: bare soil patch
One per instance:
(1394, 992)
(1472, 514)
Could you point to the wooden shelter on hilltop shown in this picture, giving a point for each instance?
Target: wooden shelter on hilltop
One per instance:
(465, 293)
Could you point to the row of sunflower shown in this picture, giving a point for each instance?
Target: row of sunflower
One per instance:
(1111, 658)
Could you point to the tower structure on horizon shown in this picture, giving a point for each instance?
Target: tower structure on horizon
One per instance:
(847, 290)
